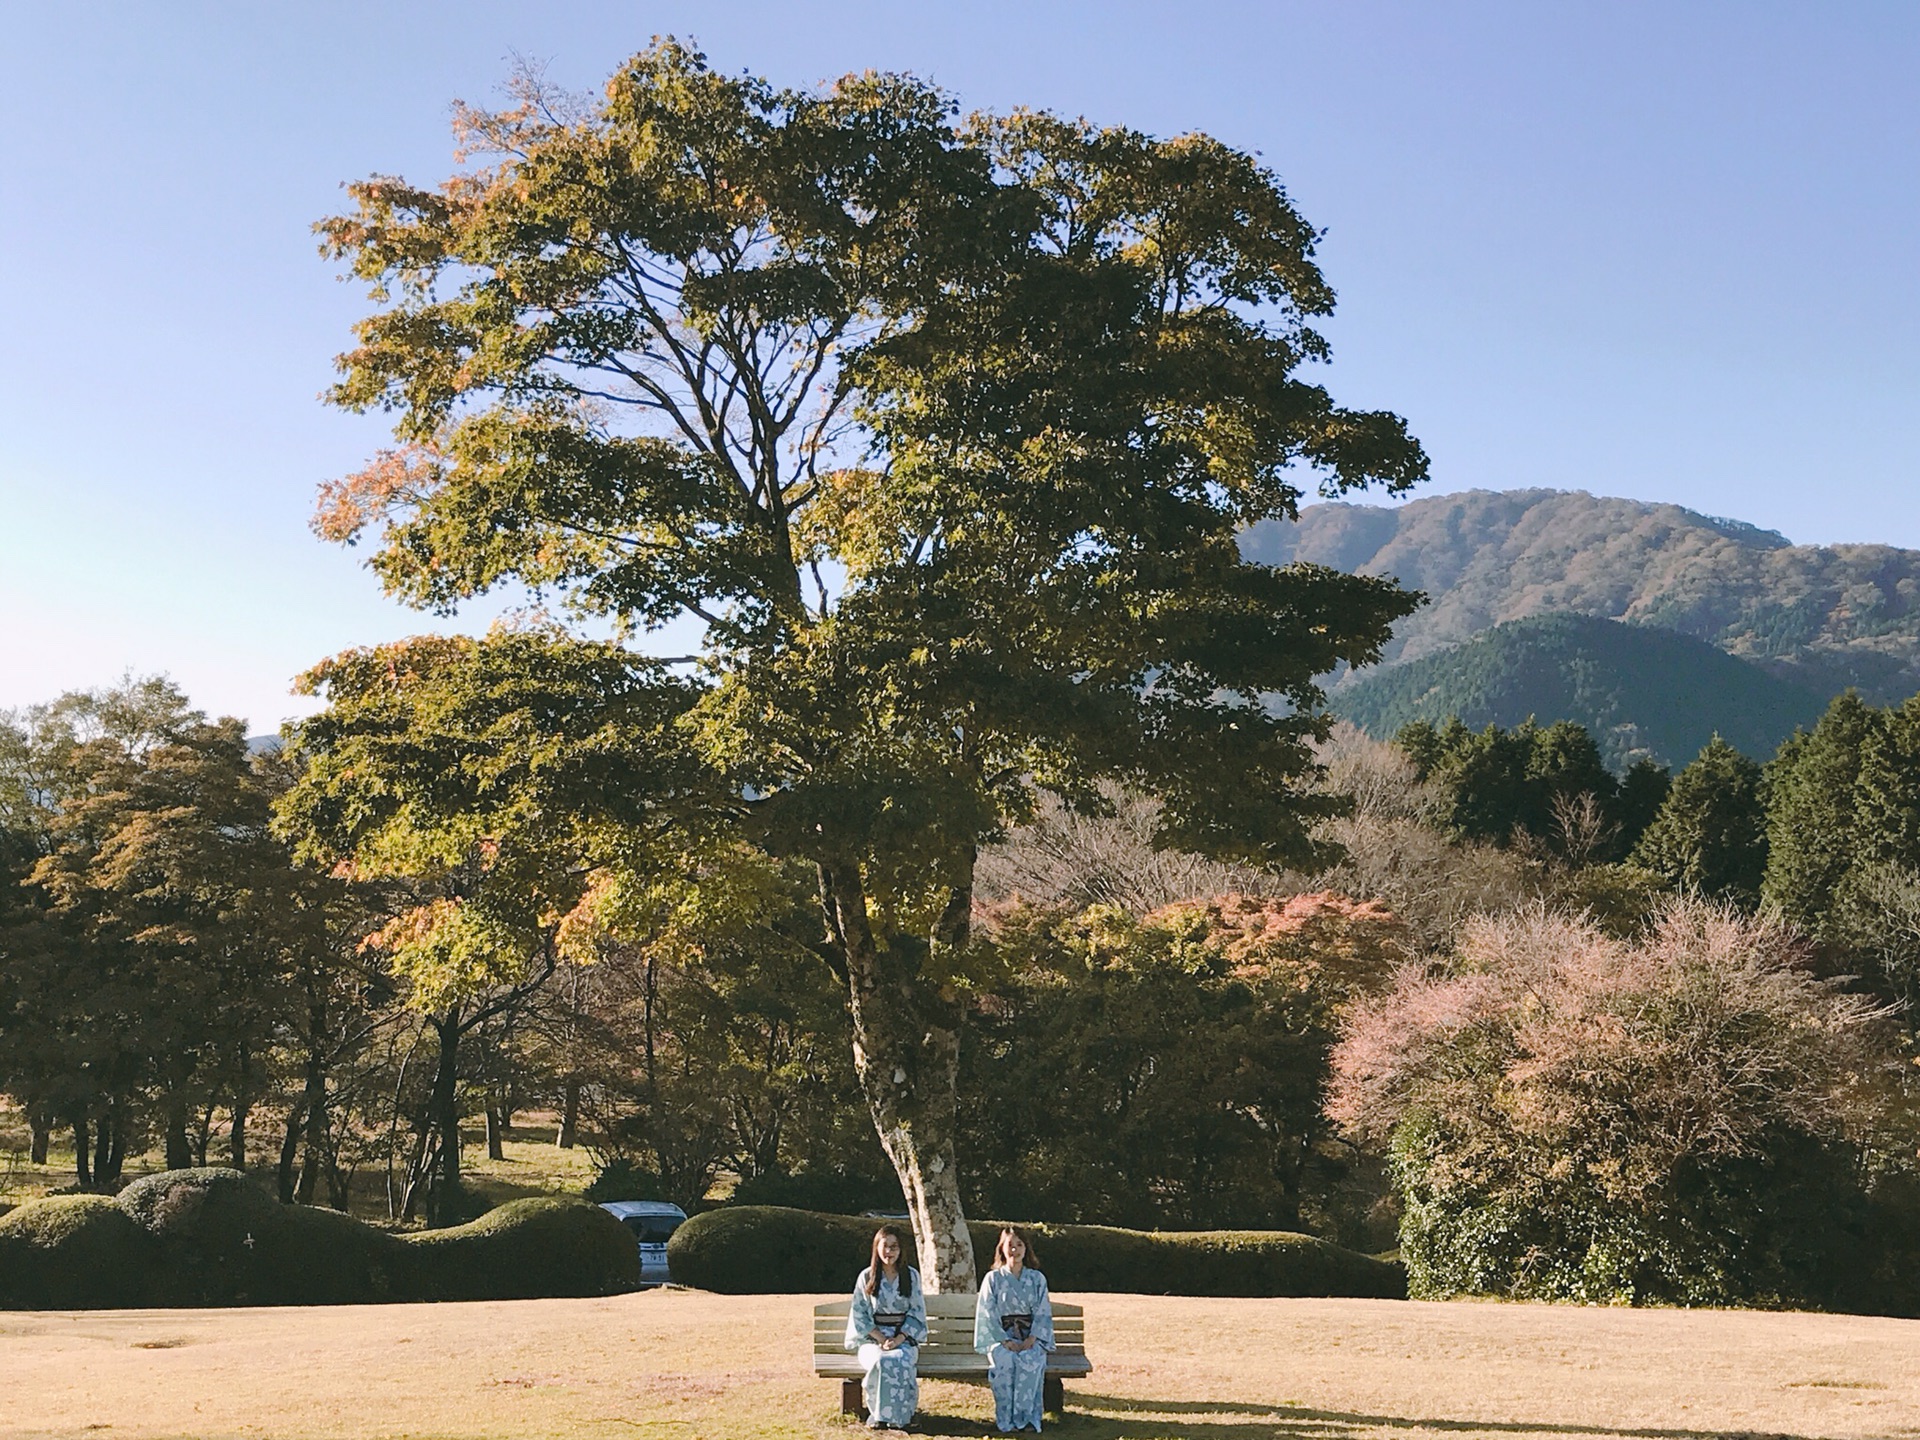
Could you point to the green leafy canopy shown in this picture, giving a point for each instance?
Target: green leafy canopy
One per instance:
(942, 430)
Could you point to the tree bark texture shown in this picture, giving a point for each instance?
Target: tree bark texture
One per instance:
(290, 1149)
(109, 1148)
(42, 1129)
(82, 1150)
(906, 1051)
(569, 1135)
(179, 1152)
(318, 1156)
(242, 1103)
(444, 1199)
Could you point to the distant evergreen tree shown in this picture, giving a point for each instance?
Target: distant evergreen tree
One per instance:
(1887, 789)
(1813, 838)
(1482, 774)
(1532, 780)
(1643, 790)
(1565, 762)
(1711, 834)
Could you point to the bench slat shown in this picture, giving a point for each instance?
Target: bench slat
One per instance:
(838, 1337)
(955, 1313)
(948, 1352)
(951, 1367)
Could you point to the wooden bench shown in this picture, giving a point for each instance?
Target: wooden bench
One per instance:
(948, 1353)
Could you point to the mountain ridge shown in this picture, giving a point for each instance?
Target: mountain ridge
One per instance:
(1601, 673)
(1820, 616)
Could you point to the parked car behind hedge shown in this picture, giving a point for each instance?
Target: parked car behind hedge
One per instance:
(652, 1224)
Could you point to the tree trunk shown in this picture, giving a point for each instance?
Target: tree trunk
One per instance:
(496, 1133)
(110, 1150)
(289, 1148)
(242, 1103)
(569, 1135)
(42, 1129)
(179, 1152)
(82, 1145)
(906, 1050)
(319, 1133)
(237, 1140)
(202, 1135)
(443, 1201)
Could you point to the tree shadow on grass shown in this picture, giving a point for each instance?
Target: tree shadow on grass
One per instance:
(1112, 1417)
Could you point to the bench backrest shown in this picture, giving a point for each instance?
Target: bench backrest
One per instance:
(949, 1326)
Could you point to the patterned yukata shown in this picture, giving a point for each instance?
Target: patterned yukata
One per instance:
(892, 1385)
(1017, 1377)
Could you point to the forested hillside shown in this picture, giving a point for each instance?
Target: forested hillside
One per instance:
(1827, 616)
(1643, 693)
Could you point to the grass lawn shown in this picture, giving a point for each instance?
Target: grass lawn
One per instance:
(530, 1164)
(684, 1364)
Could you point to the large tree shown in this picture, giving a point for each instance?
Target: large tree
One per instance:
(146, 966)
(486, 785)
(938, 432)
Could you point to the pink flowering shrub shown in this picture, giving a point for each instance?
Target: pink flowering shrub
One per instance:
(1682, 1118)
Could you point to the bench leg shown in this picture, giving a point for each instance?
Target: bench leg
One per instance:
(1053, 1396)
(853, 1402)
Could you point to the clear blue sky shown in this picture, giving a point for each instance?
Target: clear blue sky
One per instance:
(1658, 250)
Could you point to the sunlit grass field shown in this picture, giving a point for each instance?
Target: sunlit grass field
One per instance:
(683, 1364)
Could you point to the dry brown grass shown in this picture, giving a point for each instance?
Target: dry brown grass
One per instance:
(683, 1365)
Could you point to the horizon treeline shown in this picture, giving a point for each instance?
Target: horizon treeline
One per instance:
(175, 981)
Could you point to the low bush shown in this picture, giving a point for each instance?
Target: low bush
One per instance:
(221, 1239)
(764, 1249)
(75, 1252)
(526, 1250)
(1200, 1262)
(327, 1258)
(213, 1237)
(769, 1250)
(1690, 1116)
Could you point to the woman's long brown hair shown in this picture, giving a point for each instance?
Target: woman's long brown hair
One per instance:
(1000, 1248)
(876, 1264)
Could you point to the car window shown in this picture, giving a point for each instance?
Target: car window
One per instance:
(652, 1229)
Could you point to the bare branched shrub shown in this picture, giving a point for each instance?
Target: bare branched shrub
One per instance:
(1382, 781)
(1395, 854)
(1434, 884)
(1881, 912)
(1071, 860)
(1582, 833)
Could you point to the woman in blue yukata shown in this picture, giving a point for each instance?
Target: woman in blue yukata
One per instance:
(885, 1325)
(1013, 1327)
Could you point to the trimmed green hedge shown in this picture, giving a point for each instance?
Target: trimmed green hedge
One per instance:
(213, 1237)
(76, 1252)
(764, 1249)
(527, 1250)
